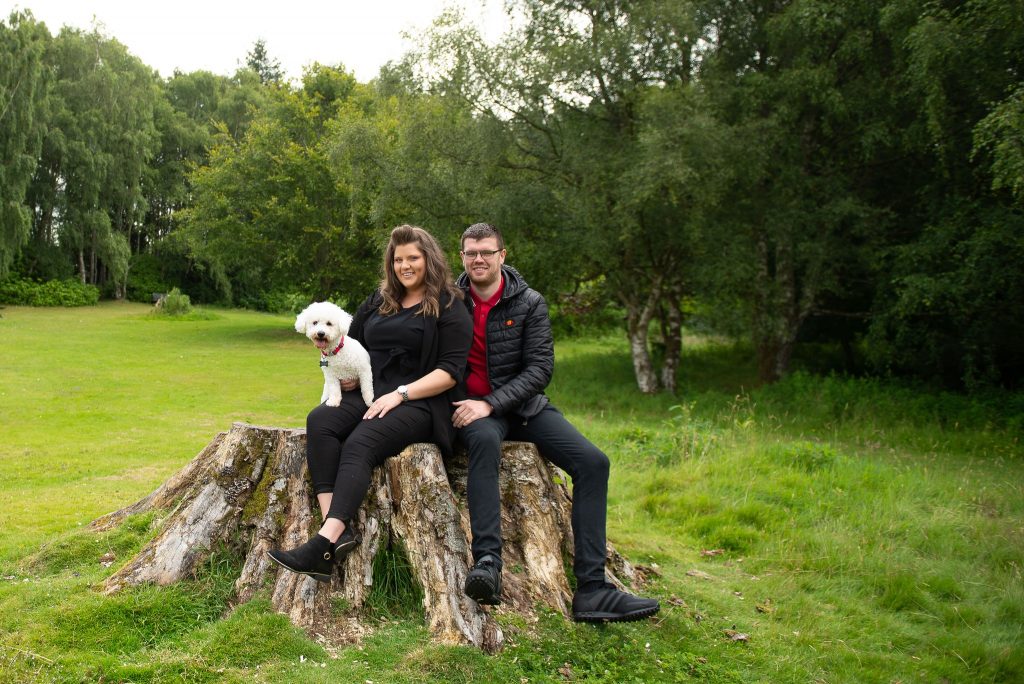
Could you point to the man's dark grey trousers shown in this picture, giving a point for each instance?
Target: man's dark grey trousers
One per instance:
(562, 444)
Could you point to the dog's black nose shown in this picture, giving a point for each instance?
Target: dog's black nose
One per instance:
(321, 335)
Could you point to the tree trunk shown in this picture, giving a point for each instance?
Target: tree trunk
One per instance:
(638, 320)
(786, 295)
(672, 332)
(247, 492)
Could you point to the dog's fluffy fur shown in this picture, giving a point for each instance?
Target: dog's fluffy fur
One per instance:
(325, 324)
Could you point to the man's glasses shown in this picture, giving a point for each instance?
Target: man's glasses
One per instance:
(485, 253)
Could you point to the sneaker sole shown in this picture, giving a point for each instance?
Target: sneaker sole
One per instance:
(480, 591)
(318, 576)
(616, 617)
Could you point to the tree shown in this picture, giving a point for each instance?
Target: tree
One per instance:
(268, 68)
(269, 212)
(951, 280)
(88, 188)
(802, 88)
(246, 492)
(23, 89)
(568, 88)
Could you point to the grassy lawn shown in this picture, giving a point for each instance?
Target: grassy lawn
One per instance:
(854, 530)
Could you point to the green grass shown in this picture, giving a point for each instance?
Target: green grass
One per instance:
(864, 531)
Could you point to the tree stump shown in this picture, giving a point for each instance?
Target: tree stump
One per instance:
(247, 490)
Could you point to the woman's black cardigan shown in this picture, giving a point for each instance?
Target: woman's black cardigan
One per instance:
(446, 342)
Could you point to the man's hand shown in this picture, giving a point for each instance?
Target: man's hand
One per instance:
(349, 385)
(469, 410)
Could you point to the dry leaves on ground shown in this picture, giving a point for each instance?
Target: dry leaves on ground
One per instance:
(736, 636)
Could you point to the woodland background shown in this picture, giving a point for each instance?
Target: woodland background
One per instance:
(848, 176)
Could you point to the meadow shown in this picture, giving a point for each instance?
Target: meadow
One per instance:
(822, 529)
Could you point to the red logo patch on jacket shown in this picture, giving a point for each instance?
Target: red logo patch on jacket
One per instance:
(509, 323)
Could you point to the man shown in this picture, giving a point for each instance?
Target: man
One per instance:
(510, 363)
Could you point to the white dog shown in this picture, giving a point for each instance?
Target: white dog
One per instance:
(341, 357)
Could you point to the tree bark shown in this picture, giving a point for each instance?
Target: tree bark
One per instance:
(638, 320)
(247, 492)
(672, 332)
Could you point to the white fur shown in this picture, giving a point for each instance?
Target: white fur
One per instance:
(325, 323)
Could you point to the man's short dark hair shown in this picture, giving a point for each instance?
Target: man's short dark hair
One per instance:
(480, 231)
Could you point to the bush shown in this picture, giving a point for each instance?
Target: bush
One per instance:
(176, 303)
(68, 292)
(280, 301)
(588, 311)
(145, 279)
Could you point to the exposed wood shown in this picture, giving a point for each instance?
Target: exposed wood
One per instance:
(247, 492)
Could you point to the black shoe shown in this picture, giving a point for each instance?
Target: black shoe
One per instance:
(314, 558)
(483, 583)
(347, 542)
(608, 604)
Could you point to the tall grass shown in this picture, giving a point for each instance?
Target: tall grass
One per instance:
(855, 530)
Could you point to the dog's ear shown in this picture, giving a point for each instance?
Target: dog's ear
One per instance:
(300, 321)
(345, 320)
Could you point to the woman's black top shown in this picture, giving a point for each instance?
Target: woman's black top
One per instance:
(406, 346)
(394, 345)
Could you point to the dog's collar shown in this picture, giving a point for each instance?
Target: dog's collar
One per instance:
(323, 356)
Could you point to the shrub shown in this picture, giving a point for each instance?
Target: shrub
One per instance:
(49, 293)
(283, 302)
(176, 303)
(145, 279)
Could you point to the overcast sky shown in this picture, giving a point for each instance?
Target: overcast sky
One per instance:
(216, 34)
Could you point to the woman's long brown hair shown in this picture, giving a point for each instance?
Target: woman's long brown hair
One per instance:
(437, 275)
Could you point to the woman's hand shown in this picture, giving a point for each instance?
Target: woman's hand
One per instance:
(382, 404)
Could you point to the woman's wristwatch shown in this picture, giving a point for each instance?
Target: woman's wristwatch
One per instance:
(403, 391)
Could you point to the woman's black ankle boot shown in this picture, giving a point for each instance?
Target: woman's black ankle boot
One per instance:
(347, 542)
(314, 558)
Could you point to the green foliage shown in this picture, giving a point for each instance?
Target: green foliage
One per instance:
(99, 92)
(279, 301)
(590, 310)
(956, 302)
(146, 279)
(270, 213)
(176, 304)
(49, 293)
(1002, 134)
(23, 81)
(42, 261)
(562, 99)
(268, 68)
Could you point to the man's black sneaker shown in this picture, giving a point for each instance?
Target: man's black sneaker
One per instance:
(483, 583)
(314, 558)
(608, 604)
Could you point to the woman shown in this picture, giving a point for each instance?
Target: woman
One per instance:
(418, 334)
